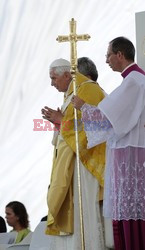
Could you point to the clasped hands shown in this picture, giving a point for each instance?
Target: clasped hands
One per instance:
(54, 116)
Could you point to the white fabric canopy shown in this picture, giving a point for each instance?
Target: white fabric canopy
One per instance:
(28, 31)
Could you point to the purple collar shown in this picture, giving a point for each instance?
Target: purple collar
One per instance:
(134, 67)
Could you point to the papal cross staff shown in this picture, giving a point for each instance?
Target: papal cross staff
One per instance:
(73, 38)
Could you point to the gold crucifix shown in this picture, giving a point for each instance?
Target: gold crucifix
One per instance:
(73, 38)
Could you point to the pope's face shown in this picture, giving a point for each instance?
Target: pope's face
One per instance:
(60, 82)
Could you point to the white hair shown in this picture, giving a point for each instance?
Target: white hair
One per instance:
(60, 66)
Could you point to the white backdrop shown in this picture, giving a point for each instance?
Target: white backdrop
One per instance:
(28, 31)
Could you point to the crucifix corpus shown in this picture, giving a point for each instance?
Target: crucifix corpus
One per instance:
(73, 38)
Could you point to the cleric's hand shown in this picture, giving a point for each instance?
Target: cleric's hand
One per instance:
(77, 102)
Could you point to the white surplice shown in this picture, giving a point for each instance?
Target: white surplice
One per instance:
(120, 120)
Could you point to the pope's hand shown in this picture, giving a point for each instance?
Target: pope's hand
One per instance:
(77, 102)
(54, 116)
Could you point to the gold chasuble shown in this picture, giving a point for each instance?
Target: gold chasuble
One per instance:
(60, 194)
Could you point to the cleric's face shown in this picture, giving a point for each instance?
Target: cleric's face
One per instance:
(113, 59)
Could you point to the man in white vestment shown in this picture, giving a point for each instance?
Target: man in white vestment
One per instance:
(120, 120)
